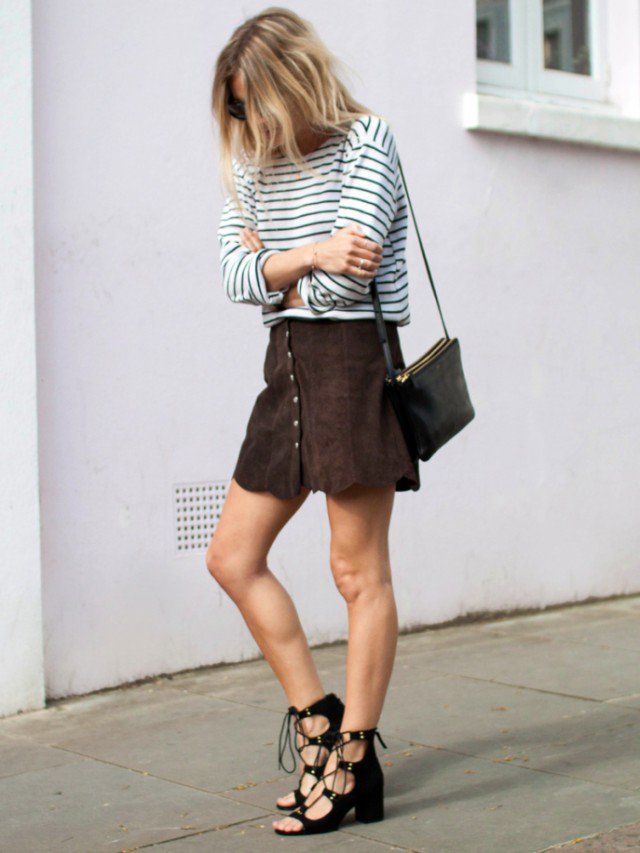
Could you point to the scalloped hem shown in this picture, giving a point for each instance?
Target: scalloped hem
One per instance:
(408, 482)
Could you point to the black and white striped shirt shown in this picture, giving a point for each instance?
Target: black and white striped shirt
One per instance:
(360, 182)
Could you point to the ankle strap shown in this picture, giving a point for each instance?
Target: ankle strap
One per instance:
(357, 734)
(338, 745)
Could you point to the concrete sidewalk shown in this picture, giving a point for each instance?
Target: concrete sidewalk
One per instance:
(511, 735)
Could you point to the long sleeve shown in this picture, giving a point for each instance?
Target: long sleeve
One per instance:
(242, 275)
(368, 197)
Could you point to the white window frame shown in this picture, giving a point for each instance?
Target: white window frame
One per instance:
(526, 77)
(524, 98)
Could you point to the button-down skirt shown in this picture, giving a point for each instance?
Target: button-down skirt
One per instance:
(323, 420)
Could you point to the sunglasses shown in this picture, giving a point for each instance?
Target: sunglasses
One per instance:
(235, 107)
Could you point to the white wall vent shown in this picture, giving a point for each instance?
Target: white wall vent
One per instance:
(197, 508)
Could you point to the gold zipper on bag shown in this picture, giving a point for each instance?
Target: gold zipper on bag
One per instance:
(435, 350)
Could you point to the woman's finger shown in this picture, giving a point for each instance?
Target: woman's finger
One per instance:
(367, 268)
(370, 246)
(371, 257)
(254, 239)
(250, 240)
(365, 260)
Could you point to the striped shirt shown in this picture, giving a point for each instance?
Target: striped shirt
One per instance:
(359, 183)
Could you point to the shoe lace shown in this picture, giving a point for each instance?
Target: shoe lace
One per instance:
(285, 738)
(337, 742)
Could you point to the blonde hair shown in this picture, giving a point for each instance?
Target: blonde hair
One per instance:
(290, 81)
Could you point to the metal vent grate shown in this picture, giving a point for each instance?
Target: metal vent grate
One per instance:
(197, 508)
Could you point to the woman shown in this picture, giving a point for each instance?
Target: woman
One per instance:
(315, 210)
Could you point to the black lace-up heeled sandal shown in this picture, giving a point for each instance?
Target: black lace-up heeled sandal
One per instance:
(331, 707)
(366, 795)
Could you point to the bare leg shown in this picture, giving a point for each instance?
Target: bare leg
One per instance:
(237, 559)
(359, 517)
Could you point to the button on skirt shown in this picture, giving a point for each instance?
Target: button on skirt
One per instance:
(323, 419)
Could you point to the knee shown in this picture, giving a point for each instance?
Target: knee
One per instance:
(356, 578)
(228, 564)
(219, 562)
(216, 560)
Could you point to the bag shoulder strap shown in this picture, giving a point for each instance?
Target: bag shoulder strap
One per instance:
(382, 330)
(424, 255)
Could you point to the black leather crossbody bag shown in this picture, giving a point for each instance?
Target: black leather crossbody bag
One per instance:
(430, 395)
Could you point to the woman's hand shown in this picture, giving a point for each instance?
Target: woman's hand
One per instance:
(251, 240)
(350, 253)
(292, 299)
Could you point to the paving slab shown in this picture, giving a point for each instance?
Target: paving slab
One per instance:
(20, 756)
(537, 662)
(91, 806)
(114, 707)
(559, 619)
(199, 746)
(632, 701)
(622, 632)
(621, 838)
(536, 729)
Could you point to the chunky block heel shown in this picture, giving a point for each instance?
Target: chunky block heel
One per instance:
(371, 807)
(366, 795)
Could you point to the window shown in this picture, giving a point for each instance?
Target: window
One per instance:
(545, 50)
(557, 69)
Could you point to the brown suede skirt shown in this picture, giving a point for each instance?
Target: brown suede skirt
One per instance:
(323, 420)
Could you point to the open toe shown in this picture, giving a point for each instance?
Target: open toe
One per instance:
(288, 825)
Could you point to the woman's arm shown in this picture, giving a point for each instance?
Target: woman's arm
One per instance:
(283, 268)
(339, 254)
